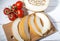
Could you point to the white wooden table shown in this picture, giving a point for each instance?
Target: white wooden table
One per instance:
(53, 11)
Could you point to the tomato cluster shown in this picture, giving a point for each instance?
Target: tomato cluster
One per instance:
(15, 11)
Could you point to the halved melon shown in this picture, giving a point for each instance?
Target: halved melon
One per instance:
(15, 30)
(23, 29)
(36, 5)
(45, 20)
(32, 26)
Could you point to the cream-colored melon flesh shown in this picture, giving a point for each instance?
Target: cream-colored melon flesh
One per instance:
(32, 26)
(37, 27)
(15, 30)
(46, 22)
(23, 29)
(35, 8)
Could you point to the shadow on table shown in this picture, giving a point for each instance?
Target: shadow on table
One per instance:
(53, 22)
(52, 5)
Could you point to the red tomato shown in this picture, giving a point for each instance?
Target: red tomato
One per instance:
(19, 4)
(20, 13)
(6, 11)
(12, 16)
(13, 7)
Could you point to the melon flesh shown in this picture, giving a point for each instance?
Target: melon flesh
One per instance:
(36, 8)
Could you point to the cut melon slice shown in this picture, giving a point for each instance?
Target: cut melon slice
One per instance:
(23, 29)
(36, 5)
(36, 19)
(15, 30)
(32, 26)
(45, 20)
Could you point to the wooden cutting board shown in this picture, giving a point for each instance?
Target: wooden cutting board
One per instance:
(8, 31)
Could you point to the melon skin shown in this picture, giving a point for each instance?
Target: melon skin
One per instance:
(23, 29)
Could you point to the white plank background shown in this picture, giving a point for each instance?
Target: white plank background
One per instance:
(53, 11)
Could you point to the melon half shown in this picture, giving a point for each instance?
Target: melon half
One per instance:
(32, 5)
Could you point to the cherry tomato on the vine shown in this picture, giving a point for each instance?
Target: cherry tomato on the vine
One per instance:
(12, 16)
(6, 11)
(13, 7)
(20, 13)
(19, 4)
